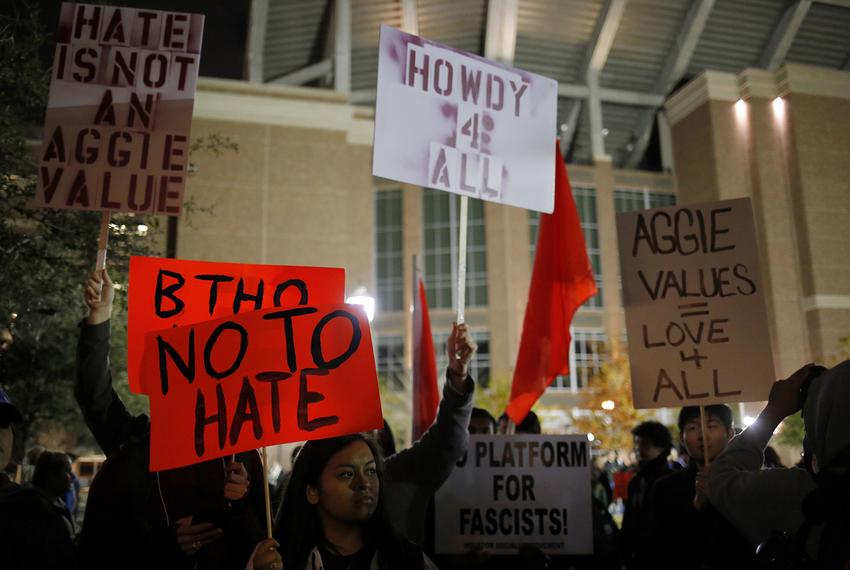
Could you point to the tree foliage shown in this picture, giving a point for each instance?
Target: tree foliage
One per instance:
(611, 428)
(46, 255)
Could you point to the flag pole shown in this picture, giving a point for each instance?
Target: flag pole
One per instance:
(461, 261)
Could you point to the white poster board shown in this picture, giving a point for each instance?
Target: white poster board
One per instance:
(453, 121)
(517, 490)
(116, 130)
(694, 301)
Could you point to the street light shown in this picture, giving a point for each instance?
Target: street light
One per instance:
(608, 405)
(367, 302)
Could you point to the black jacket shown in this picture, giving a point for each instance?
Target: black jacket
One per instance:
(678, 536)
(32, 533)
(131, 513)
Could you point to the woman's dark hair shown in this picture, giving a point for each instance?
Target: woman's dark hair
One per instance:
(298, 527)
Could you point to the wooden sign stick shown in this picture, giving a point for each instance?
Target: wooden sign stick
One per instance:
(704, 436)
(102, 241)
(461, 261)
(266, 489)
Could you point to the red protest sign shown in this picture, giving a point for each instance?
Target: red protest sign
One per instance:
(116, 130)
(257, 379)
(174, 292)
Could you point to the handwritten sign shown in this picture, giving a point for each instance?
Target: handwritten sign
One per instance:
(116, 132)
(694, 301)
(260, 378)
(454, 121)
(172, 292)
(510, 491)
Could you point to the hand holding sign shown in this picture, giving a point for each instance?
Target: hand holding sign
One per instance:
(236, 484)
(99, 295)
(460, 347)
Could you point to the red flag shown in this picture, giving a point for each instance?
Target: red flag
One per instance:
(561, 281)
(426, 396)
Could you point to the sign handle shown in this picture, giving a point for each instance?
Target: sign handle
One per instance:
(266, 489)
(704, 436)
(461, 261)
(102, 242)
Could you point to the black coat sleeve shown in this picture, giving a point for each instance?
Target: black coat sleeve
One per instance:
(104, 412)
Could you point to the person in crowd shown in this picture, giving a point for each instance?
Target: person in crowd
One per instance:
(206, 515)
(52, 477)
(652, 445)
(71, 498)
(529, 425)
(30, 459)
(334, 513)
(809, 507)
(32, 533)
(414, 474)
(683, 529)
(481, 421)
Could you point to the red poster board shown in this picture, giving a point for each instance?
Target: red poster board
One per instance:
(260, 378)
(173, 292)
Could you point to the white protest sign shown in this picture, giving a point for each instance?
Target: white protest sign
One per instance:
(694, 301)
(116, 130)
(453, 121)
(509, 491)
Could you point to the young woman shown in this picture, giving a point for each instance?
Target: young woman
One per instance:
(333, 516)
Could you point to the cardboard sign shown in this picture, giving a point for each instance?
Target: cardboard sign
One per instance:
(694, 301)
(116, 132)
(260, 378)
(453, 121)
(509, 491)
(172, 292)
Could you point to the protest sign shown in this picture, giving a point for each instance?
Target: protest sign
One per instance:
(454, 121)
(116, 131)
(509, 491)
(173, 292)
(694, 301)
(260, 378)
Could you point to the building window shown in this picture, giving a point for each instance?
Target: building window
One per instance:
(480, 368)
(631, 200)
(389, 278)
(390, 360)
(441, 211)
(589, 351)
(586, 205)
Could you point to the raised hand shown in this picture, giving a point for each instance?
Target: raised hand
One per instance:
(99, 295)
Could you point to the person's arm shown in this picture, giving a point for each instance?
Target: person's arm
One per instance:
(430, 460)
(758, 501)
(104, 412)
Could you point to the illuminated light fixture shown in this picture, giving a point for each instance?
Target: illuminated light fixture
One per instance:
(778, 108)
(749, 420)
(741, 110)
(142, 229)
(608, 405)
(590, 437)
(367, 302)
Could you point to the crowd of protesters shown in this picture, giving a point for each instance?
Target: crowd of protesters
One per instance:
(354, 502)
